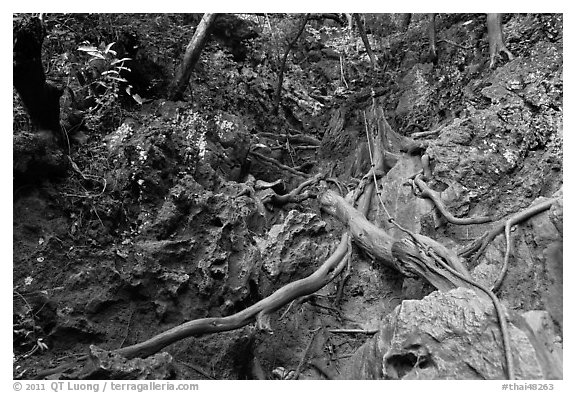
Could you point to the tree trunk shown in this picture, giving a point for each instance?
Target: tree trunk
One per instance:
(495, 38)
(365, 40)
(193, 51)
(283, 65)
(433, 55)
(405, 20)
(41, 99)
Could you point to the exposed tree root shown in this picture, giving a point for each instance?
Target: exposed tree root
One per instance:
(466, 47)
(296, 195)
(434, 196)
(401, 255)
(413, 255)
(441, 254)
(293, 139)
(476, 249)
(353, 331)
(499, 313)
(279, 165)
(515, 219)
(258, 311)
(425, 159)
(424, 134)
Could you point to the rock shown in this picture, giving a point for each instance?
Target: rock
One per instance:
(546, 341)
(410, 211)
(71, 330)
(417, 90)
(166, 252)
(290, 250)
(453, 335)
(206, 254)
(534, 277)
(104, 364)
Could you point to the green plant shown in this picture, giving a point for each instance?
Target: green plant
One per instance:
(103, 74)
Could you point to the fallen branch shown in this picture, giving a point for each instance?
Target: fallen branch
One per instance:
(261, 184)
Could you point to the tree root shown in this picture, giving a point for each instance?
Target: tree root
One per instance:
(258, 311)
(293, 139)
(279, 165)
(338, 184)
(454, 44)
(353, 331)
(515, 219)
(425, 159)
(424, 134)
(499, 313)
(405, 256)
(476, 249)
(434, 196)
(294, 196)
(413, 255)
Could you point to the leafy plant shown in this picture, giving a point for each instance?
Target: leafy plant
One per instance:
(103, 74)
(108, 69)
